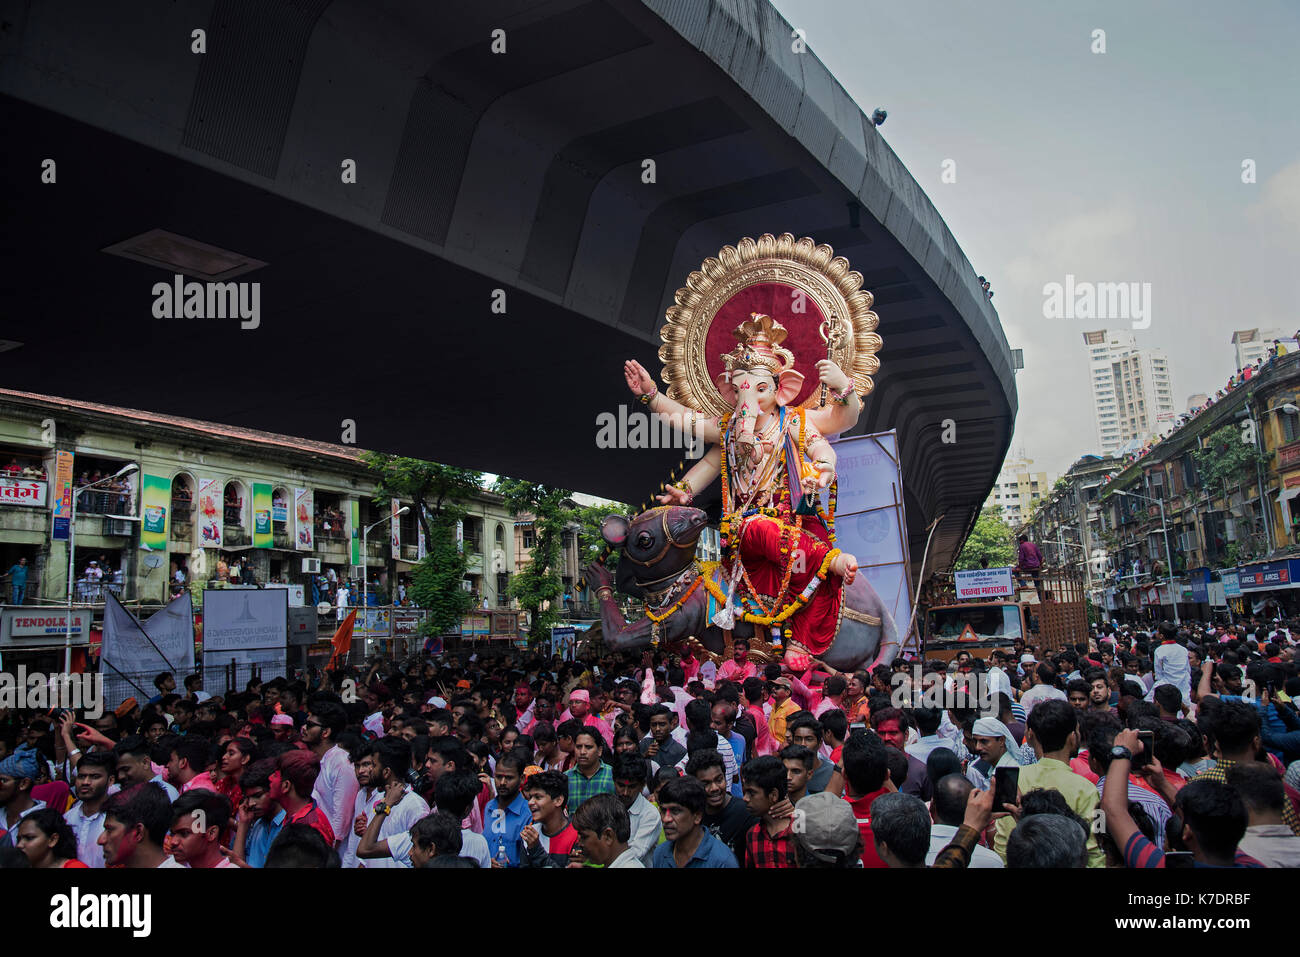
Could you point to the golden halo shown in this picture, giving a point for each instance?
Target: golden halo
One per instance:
(767, 268)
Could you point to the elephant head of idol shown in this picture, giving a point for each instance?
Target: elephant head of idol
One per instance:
(760, 378)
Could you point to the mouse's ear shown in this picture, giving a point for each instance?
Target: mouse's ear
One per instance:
(614, 530)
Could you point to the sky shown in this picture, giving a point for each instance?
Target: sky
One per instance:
(1122, 166)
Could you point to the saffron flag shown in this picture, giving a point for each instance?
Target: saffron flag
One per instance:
(342, 642)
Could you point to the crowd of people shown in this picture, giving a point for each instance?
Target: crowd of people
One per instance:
(1172, 748)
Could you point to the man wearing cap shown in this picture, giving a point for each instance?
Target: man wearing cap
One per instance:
(829, 835)
(17, 776)
(782, 707)
(580, 710)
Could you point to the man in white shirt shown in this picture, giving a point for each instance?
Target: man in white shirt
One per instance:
(1268, 838)
(336, 786)
(927, 726)
(95, 774)
(948, 811)
(631, 772)
(1044, 689)
(604, 829)
(399, 807)
(342, 597)
(366, 796)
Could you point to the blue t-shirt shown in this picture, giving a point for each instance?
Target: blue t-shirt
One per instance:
(261, 834)
(18, 575)
(711, 853)
(502, 827)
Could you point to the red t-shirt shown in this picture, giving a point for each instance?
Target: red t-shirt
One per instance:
(559, 846)
(315, 818)
(74, 863)
(862, 811)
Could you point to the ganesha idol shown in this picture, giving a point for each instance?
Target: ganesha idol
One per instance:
(735, 382)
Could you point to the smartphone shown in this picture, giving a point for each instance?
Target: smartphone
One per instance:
(1148, 739)
(1179, 859)
(1006, 787)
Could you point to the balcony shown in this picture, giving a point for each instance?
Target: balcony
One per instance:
(410, 553)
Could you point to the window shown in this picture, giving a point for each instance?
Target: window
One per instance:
(1290, 426)
(501, 536)
(503, 583)
(530, 538)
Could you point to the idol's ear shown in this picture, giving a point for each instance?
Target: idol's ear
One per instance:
(614, 530)
(726, 389)
(788, 386)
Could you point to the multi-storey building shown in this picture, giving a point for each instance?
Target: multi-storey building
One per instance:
(1250, 345)
(1017, 489)
(1132, 391)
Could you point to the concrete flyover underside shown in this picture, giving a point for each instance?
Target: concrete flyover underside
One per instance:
(476, 171)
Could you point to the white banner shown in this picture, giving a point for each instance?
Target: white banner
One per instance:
(163, 643)
(983, 583)
(16, 491)
(395, 529)
(870, 523)
(242, 619)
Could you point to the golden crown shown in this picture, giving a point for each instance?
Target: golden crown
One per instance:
(759, 346)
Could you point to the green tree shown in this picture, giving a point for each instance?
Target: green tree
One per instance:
(591, 544)
(1226, 459)
(991, 538)
(438, 493)
(538, 587)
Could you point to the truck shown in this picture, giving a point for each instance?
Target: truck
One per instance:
(1052, 620)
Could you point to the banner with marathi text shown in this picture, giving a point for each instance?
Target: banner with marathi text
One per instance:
(155, 500)
(354, 530)
(263, 537)
(303, 518)
(395, 530)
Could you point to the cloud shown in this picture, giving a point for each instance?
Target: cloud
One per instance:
(1080, 244)
(1279, 201)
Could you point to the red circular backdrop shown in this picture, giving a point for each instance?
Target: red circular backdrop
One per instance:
(775, 299)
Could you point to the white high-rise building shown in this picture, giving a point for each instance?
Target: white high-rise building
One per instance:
(1251, 344)
(1132, 395)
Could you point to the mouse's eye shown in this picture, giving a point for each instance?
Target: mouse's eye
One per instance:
(644, 540)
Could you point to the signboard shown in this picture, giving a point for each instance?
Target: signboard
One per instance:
(155, 500)
(211, 517)
(304, 530)
(1266, 575)
(563, 642)
(1231, 585)
(475, 625)
(263, 537)
(1288, 456)
(406, 622)
(373, 624)
(297, 593)
(395, 530)
(14, 491)
(279, 510)
(62, 496)
(1215, 595)
(422, 547)
(983, 583)
(242, 619)
(302, 626)
(31, 628)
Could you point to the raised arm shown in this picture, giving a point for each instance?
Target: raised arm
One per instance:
(835, 416)
(640, 384)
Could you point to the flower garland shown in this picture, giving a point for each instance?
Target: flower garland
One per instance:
(799, 600)
(675, 606)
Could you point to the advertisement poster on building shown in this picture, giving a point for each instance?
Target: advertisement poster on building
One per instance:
(354, 530)
(263, 537)
(211, 518)
(303, 537)
(155, 499)
(396, 529)
(62, 496)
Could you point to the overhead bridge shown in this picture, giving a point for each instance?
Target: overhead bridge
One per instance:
(499, 152)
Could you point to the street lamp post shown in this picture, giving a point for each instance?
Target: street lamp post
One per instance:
(365, 563)
(1169, 563)
(72, 553)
